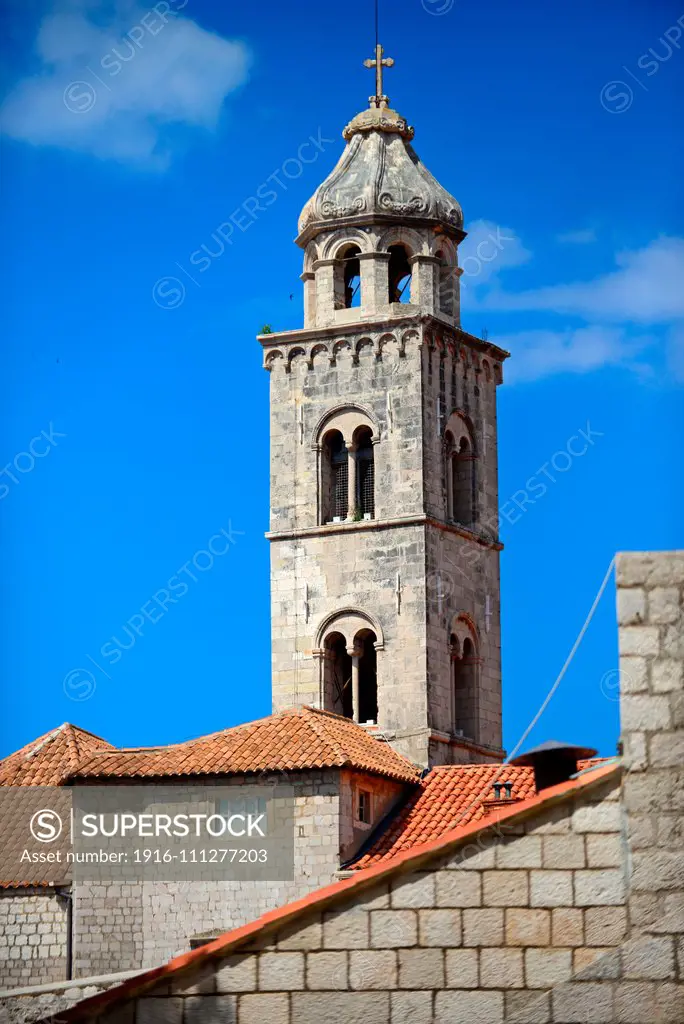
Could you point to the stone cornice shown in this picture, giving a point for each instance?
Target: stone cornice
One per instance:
(385, 524)
(311, 334)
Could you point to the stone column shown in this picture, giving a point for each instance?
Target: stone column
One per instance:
(425, 282)
(327, 276)
(374, 280)
(355, 657)
(351, 481)
(309, 279)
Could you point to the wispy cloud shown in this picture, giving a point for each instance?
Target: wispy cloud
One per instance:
(645, 289)
(121, 89)
(584, 236)
(538, 354)
(488, 249)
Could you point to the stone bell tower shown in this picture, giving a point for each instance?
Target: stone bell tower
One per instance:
(384, 526)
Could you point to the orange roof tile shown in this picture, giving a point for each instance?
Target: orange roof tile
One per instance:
(47, 760)
(449, 797)
(293, 740)
(332, 895)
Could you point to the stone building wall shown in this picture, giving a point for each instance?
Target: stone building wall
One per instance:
(411, 575)
(33, 937)
(478, 935)
(119, 927)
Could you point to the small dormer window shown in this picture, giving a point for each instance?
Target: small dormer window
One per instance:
(363, 806)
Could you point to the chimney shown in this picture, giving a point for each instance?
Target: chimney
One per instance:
(553, 762)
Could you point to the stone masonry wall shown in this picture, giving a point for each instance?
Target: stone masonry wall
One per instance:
(475, 937)
(393, 375)
(120, 927)
(33, 936)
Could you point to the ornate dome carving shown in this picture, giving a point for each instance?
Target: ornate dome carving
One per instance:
(378, 177)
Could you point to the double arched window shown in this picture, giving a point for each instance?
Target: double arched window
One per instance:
(460, 471)
(349, 646)
(347, 468)
(465, 663)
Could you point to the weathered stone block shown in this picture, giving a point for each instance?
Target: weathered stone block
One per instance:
(605, 887)
(459, 889)
(439, 928)
(278, 971)
(505, 888)
(327, 971)
(597, 817)
(421, 968)
(411, 1008)
(551, 889)
(501, 968)
(302, 936)
(567, 926)
(528, 1007)
(664, 605)
(391, 929)
(346, 929)
(483, 927)
(631, 606)
(462, 968)
(236, 974)
(545, 968)
(469, 1008)
(210, 1009)
(526, 927)
(605, 926)
(562, 852)
(159, 1010)
(649, 958)
(373, 969)
(335, 1007)
(414, 891)
(589, 1002)
(519, 852)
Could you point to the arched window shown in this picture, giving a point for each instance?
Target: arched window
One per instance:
(365, 666)
(464, 684)
(352, 277)
(462, 483)
(399, 274)
(365, 472)
(460, 468)
(334, 482)
(338, 675)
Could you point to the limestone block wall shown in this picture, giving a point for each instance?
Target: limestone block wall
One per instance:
(478, 936)
(120, 927)
(33, 937)
(411, 577)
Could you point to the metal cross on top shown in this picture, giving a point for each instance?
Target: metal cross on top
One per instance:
(379, 62)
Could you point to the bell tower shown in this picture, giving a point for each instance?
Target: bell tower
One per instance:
(384, 525)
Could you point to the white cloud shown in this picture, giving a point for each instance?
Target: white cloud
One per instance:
(488, 249)
(646, 288)
(585, 236)
(118, 91)
(537, 354)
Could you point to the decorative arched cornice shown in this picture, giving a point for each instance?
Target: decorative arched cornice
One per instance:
(335, 619)
(336, 411)
(465, 620)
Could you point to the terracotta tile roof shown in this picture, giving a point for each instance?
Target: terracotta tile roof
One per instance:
(331, 895)
(296, 739)
(47, 760)
(449, 797)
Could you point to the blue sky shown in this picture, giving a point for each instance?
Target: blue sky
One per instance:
(130, 138)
